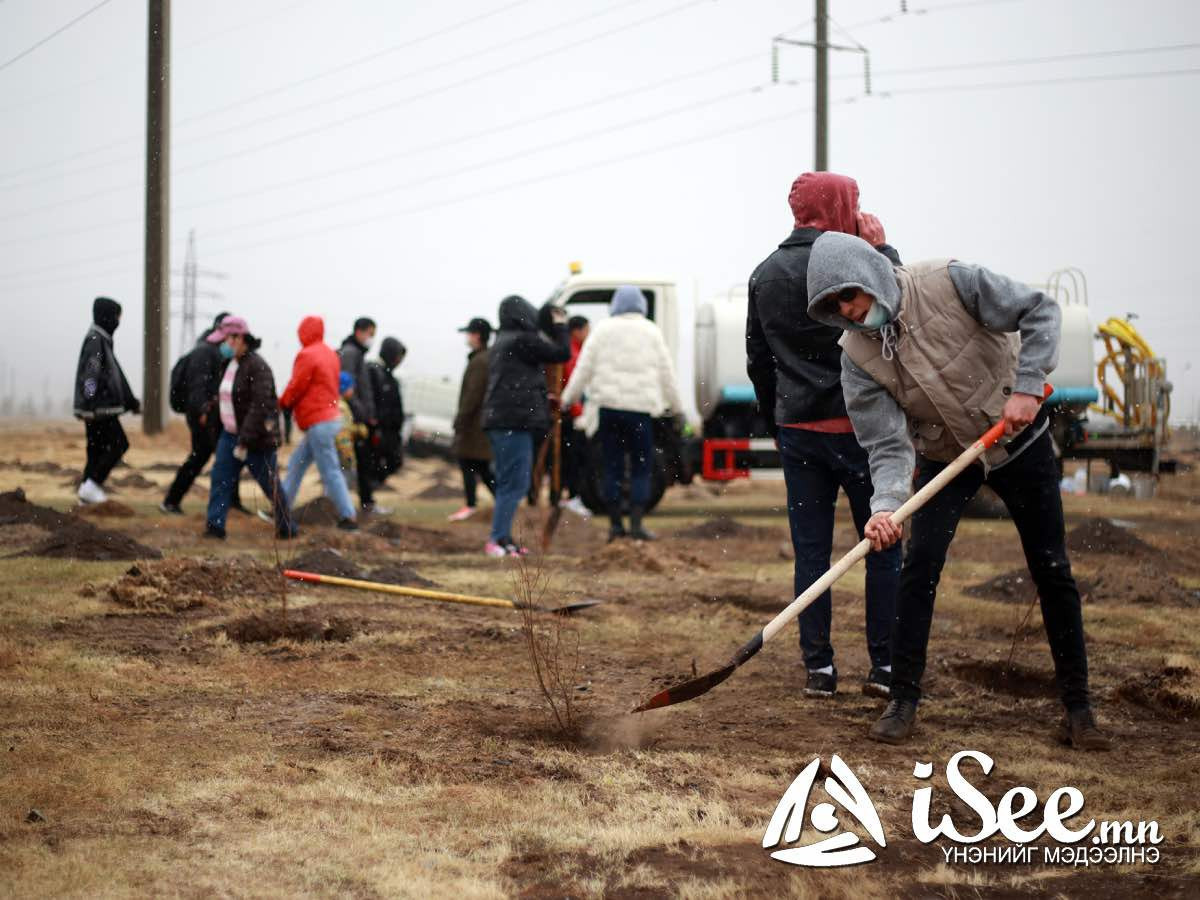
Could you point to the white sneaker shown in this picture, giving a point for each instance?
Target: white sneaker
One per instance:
(90, 492)
(576, 505)
(462, 515)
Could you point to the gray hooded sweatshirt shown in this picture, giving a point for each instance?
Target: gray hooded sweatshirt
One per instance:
(994, 301)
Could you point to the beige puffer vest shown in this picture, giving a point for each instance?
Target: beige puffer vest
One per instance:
(949, 374)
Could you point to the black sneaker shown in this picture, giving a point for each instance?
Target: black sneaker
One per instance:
(616, 532)
(878, 683)
(820, 684)
(896, 723)
(641, 534)
(170, 509)
(347, 525)
(1078, 729)
(215, 533)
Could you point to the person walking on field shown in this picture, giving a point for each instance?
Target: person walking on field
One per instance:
(516, 406)
(102, 394)
(353, 354)
(313, 396)
(794, 364)
(932, 357)
(203, 367)
(626, 374)
(574, 442)
(471, 445)
(387, 440)
(249, 412)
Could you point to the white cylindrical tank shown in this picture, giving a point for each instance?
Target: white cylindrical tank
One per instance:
(1076, 364)
(721, 352)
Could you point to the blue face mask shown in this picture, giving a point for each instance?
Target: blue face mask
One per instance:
(226, 351)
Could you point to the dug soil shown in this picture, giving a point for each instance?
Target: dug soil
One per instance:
(642, 557)
(1105, 536)
(263, 629)
(70, 536)
(109, 509)
(1109, 581)
(327, 561)
(720, 528)
(181, 583)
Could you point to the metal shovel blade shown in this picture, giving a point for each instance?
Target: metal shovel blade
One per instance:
(688, 690)
(569, 609)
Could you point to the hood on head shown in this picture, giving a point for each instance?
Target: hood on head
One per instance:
(391, 351)
(311, 330)
(628, 299)
(826, 201)
(106, 313)
(842, 260)
(517, 314)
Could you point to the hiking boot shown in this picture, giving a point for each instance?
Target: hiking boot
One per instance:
(170, 509)
(878, 683)
(462, 515)
(1078, 729)
(214, 533)
(494, 550)
(347, 525)
(820, 684)
(896, 723)
(90, 492)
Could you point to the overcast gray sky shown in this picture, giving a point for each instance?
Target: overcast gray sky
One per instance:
(418, 161)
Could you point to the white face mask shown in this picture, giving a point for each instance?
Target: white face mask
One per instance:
(876, 316)
(367, 344)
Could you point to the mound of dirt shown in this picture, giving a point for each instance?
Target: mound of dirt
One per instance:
(1166, 692)
(327, 561)
(1112, 582)
(1000, 677)
(70, 536)
(422, 540)
(641, 557)
(134, 480)
(402, 574)
(720, 528)
(41, 468)
(1105, 536)
(316, 512)
(178, 584)
(109, 509)
(264, 629)
(439, 490)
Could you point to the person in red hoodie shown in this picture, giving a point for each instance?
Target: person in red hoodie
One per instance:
(312, 396)
(574, 442)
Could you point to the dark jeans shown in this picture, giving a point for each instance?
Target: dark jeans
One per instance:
(815, 465)
(225, 472)
(204, 442)
(624, 433)
(106, 444)
(1028, 485)
(512, 451)
(474, 470)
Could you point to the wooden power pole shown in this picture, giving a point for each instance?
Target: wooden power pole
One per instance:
(158, 248)
(821, 80)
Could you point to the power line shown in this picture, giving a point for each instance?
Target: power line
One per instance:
(52, 35)
(1070, 79)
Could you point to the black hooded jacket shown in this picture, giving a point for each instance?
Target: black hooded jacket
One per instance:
(794, 363)
(202, 373)
(516, 387)
(101, 389)
(389, 404)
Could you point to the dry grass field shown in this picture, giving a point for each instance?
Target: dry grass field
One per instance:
(187, 726)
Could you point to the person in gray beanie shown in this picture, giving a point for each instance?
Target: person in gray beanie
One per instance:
(934, 354)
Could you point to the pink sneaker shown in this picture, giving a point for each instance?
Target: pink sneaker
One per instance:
(491, 548)
(462, 515)
(512, 549)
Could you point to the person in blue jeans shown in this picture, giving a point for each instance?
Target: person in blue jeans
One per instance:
(319, 446)
(516, 405)
(249, 413)
(795, 365)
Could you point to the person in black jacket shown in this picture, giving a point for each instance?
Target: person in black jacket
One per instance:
(387, 451)
(248, 409)
(202, 374)
(102, 393)
(516, 405)
(353, 354)
(795, 366)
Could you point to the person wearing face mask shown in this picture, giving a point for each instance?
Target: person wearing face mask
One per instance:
(471, 444)
(203, 367)
(249, 413)
(936, 353)
(102, 393)
(794, 364)
(353, 353)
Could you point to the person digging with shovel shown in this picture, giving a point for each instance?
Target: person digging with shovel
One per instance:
(933, 354)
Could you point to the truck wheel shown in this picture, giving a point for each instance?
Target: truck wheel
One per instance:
(591, 488)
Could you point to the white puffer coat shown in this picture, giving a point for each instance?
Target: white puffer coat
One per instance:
(625, 365)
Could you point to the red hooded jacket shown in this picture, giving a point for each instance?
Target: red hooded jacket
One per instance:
(312, 394)
(826, 201)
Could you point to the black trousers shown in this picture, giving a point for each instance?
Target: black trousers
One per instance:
(364, 463)
(574, 456)
(474, 470)
(1028, 485)
(106, 444)
(204, 442)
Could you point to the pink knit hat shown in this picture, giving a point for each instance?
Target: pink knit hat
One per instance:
(229, 325)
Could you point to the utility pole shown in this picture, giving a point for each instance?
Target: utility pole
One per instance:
(192, 273)
(821, 81)
(157, 275)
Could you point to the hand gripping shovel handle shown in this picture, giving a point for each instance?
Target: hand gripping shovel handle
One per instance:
(704, 683)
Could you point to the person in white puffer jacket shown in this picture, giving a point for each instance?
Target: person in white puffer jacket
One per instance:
(627, 377)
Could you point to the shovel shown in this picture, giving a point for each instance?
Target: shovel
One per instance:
(442, 596)
(695, 687)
